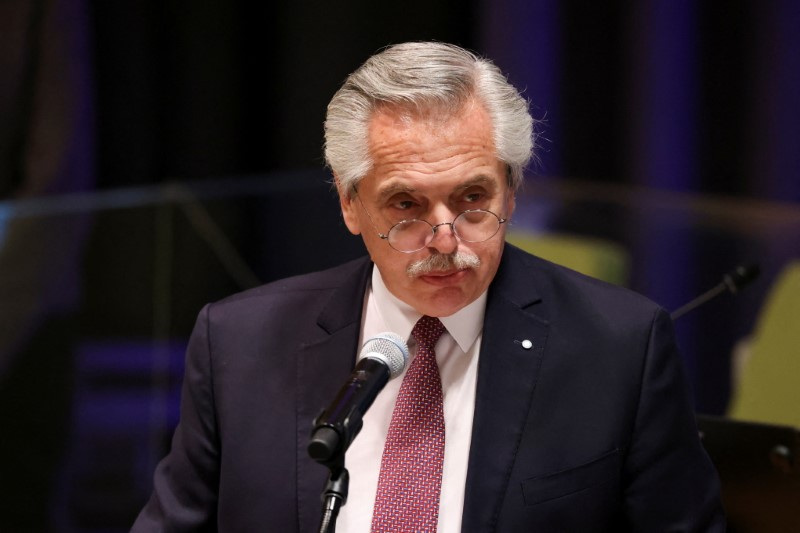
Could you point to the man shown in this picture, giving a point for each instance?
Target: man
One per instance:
(559, 400)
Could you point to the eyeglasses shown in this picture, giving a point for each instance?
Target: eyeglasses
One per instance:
(407, 236)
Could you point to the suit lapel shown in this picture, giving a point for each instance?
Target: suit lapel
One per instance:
(325, 359)
(507, 373)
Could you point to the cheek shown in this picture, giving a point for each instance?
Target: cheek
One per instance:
(490, 256)
(389, 262)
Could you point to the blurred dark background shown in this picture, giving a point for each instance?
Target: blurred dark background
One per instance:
(157, 155)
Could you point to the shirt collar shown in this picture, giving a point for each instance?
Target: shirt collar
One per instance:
(464, 325)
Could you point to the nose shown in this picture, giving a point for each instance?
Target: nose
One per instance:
(443, 239)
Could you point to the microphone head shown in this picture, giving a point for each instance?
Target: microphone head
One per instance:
(741, 276)
(389, 348)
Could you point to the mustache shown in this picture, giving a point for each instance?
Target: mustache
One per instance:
(458, 260)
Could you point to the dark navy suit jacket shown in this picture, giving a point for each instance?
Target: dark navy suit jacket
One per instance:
(589, 430)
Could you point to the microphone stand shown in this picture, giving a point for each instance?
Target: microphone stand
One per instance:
(325, 448)
(334, 496)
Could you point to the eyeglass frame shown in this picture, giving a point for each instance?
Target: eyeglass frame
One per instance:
(434, 227)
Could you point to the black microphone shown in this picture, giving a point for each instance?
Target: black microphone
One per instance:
(733, 281)
(382, 357)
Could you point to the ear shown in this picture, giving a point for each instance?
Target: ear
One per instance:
(349, 208)
(512, 202)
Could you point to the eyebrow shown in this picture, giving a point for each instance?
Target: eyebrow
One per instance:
(392, 189)
(480, 179)
(395, 188)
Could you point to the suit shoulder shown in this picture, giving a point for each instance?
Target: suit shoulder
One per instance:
(559, 285)
(298, 287)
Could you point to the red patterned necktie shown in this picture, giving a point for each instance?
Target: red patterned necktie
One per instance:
(411, 467)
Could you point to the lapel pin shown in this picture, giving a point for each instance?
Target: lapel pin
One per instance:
(527, 344)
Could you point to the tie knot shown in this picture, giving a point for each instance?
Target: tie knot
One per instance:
(427, 331)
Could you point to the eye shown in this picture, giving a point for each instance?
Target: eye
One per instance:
(402, 202)
(473, 197)
(403, 205)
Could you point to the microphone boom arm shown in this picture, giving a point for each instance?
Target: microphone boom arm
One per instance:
(731, 282)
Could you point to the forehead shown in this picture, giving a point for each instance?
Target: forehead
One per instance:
(427, 150)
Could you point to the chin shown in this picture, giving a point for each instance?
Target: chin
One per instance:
(445, 303)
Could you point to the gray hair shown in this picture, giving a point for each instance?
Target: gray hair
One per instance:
(416, 77)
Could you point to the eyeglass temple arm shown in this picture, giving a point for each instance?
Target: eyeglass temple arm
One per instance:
(381, 235)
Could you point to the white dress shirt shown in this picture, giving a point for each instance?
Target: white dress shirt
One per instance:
(457, 356)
